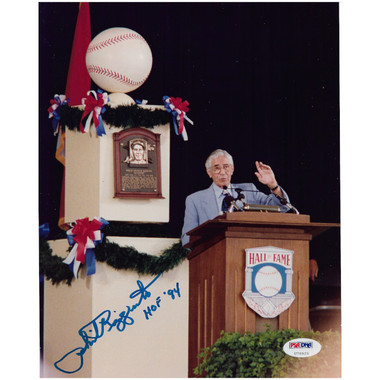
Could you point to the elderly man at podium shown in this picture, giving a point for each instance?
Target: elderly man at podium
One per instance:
(206, 204)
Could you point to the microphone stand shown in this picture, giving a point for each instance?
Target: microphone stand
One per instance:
(231, 200)
(234, 206)
(283, 201)
(286, 203)
(241, 197)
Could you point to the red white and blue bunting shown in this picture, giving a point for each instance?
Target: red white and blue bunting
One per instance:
(84, 236)
(178, 109)
(96, 108)
(54, 110)
(93, 108)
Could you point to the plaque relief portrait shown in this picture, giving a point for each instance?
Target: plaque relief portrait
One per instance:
(137, 152)
(137, 164)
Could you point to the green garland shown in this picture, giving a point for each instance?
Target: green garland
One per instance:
(53, 268)
(120, 117)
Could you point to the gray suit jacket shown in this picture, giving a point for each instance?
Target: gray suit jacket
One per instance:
(202, 205)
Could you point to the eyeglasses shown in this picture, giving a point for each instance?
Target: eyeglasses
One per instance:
(217, 168)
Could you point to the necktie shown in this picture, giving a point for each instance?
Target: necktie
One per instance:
(226, 202)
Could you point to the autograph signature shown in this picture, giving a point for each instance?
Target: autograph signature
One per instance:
(94, 330)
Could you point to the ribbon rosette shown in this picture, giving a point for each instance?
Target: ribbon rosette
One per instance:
(178, 109)
(93, 109)
(84, 235)
(55, 110)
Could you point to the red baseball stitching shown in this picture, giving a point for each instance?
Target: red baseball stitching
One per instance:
(265, 274)
(114, 40)
(268, 288)
(114, 75)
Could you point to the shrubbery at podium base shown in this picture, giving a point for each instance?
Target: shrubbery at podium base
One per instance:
(261, 355)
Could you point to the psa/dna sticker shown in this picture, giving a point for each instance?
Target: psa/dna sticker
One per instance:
(302, 347)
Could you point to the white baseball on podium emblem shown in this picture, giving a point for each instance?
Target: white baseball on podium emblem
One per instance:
(119, 60)
(268, 281)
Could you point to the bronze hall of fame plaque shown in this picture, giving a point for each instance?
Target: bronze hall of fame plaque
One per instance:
(137, 164)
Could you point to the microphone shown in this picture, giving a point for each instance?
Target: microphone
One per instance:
(230, 200)
(240, 197)
(228, 197)
(238, 190)
(283, 201)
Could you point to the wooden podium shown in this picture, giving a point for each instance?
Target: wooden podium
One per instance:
(217, 264)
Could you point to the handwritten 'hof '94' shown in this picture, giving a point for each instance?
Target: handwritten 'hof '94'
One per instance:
(105, 323)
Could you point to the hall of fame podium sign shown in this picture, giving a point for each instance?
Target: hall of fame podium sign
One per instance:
(268, 280)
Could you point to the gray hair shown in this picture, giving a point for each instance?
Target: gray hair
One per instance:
(217, 153)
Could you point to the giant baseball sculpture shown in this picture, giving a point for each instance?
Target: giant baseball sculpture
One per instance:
(119, 60)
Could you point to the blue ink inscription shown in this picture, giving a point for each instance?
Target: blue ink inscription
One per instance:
(152, 308)
(148, 312)
(175, 291)
(94, 330)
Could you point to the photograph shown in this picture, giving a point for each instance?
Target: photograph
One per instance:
(190, 189)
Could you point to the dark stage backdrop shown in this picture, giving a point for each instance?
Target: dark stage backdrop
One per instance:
(262, 80)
